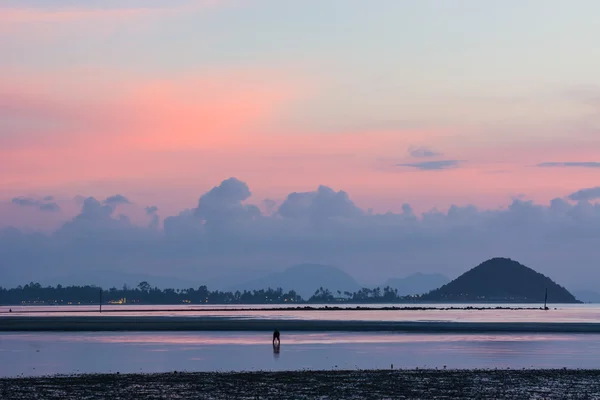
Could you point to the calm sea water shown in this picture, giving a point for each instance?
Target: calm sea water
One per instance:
(65, 353)
(32, 354)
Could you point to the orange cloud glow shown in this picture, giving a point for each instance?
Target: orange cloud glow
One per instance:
(122, 135)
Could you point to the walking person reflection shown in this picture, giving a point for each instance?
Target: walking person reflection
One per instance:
(276, 349)
(276, 343)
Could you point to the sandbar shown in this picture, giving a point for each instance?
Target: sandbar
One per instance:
(221, 323)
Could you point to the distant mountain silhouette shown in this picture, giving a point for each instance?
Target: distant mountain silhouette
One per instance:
(305, 279)
(501, 280)
(418, 283)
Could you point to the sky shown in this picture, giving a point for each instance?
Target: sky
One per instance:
(336, 121)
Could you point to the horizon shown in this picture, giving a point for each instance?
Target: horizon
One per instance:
(491, 280)
(215, 139)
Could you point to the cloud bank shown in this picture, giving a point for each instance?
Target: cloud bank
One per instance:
(432, 165)
(226, 236)
(116, 200)
(584, 164)
(26, 201)
(43, 205)
(423, 152)
(586, 194)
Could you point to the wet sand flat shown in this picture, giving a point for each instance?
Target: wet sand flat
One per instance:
(374, 384)
(164, 323)
(52, 353)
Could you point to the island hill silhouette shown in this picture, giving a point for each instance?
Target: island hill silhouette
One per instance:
(501, 280)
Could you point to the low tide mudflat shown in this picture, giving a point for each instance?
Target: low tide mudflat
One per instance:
(219, 323)
(373, 384)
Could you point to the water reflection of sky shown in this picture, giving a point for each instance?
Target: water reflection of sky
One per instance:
(51, 353)
(251, 338)
(562, 313)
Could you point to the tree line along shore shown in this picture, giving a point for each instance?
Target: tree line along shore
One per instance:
(36, 294)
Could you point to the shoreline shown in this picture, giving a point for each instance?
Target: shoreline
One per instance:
(298, 308)
(219, 323)
(334, 384)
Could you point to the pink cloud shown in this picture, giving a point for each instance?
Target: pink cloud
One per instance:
(121, 135)
(118, 132)
(193, 131)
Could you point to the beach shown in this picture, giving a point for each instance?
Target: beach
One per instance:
(357, 384)
(224, 323)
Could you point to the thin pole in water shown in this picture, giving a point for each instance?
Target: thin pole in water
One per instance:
(100, 300)
(546, 299)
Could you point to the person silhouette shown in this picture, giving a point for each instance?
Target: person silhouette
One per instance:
(276, 336)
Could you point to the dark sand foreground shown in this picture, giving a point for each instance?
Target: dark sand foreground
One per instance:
(399, 384)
